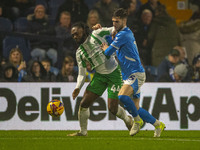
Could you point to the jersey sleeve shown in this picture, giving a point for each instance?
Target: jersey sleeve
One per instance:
(81, 77)
(119, 40)
(79, 59)
(104, 31)
(82, 70)
(110, 29)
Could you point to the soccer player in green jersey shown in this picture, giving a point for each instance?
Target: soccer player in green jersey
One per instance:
(107, 75)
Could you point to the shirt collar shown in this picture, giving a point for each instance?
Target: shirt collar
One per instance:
(123, 28)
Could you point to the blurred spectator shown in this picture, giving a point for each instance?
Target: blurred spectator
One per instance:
(36, 73)
(51, 77)
(167, 65)
(149, 77)
(1, 10)
(105, 9)
(2, 62)
(89, 73)
(163, 35)
(196, 69)
(183, 55)
(63, 28)
(190, 31)
(196, 14)
(9, 73)
(138, 2)
(39, 20)
(77, 8)
(16, 58)
(151, 5)
(141, 36)
(177, 75)
(130, 6)
(23, 7)
(14, 9)
(63, 31)
(93, 18)
(67, 72)
(38, 23)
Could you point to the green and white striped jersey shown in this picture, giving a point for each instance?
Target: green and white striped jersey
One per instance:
(90, 51)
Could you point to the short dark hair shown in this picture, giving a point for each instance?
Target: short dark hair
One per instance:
(83, 26)
(65, 13)
(46, 60)
(174, 52)
(121, 13)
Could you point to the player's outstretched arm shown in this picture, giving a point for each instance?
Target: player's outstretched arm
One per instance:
(108, 50)
(80, 81)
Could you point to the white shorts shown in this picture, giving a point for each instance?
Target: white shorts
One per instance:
(136, 80)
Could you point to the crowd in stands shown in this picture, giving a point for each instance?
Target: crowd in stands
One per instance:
(36, 44)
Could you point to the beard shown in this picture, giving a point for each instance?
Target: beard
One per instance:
(82, 40)
(119, 29)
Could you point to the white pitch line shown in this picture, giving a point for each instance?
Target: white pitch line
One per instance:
(97, 138)
(168, 139)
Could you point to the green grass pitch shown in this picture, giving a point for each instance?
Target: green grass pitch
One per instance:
(99, 140)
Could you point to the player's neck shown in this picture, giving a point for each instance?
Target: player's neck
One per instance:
(122, 28)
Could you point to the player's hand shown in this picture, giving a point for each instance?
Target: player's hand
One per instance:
(75, 93)
(97, 26)
(113, 34)
(104, 46)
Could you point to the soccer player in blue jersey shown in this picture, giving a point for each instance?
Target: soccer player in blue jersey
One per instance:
(133, 73)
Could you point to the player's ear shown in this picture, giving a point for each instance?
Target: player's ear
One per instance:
(124, 20)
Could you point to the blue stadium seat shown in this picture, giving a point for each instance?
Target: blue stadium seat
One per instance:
(20, 24)
(41, 2)
(5, 25)
(53, 7)
(10, 42)
(91, 4)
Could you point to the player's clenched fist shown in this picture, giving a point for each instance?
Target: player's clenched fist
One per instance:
(97, 26)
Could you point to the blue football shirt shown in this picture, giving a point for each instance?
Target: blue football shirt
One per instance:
(127, 53)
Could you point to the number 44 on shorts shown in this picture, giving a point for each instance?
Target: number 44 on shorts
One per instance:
(114, 88)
